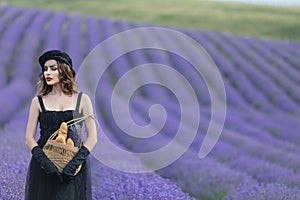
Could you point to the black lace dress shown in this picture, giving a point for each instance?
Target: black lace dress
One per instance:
(39, 185)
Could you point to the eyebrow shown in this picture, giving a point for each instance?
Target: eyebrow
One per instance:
(54, 65)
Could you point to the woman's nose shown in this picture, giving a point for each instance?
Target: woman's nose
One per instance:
(47, 71)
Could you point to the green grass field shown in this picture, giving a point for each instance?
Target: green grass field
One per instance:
(238, 18)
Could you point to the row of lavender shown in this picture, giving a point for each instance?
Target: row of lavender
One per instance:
(256, 167)
(257, 152)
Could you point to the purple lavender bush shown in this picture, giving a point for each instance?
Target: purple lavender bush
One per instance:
(264, 191)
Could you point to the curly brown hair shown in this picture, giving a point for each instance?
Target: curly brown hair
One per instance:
(67, 81)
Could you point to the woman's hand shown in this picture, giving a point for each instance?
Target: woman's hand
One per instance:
(45, 162)
(69, 171)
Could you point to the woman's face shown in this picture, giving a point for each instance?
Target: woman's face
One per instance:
(51, 73)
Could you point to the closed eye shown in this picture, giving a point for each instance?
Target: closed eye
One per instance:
(52, 67)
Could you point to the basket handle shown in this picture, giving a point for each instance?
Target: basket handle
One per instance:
(53, 135)
(75, 121)
(80, 119)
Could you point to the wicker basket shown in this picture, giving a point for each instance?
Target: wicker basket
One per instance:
(61, 154)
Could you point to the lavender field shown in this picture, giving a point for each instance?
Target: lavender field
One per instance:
(256, 156)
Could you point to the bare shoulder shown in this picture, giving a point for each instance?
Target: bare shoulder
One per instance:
(85, 98)
(87, 106)
(35, 101)
(35, 105)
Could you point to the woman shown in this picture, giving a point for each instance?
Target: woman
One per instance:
(58, 101)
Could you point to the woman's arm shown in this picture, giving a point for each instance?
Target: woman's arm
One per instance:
(80, 157)
(37, 152)
(90, 124)
(30, 140)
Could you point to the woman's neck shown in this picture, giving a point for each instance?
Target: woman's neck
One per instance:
(56, 90)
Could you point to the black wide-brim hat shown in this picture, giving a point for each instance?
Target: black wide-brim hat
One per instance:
(55, 55)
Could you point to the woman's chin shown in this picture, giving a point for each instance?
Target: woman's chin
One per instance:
(51, 83)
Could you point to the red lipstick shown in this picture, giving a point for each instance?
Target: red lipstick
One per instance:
(48, 78)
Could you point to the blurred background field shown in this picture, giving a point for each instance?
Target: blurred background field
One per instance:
(279, 22)
(256, 49)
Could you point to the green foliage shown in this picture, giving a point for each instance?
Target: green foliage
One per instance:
(237, 18)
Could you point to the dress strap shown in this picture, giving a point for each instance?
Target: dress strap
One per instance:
(78, 101)
(41, 103)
